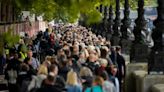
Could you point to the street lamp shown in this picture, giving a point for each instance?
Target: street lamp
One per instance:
(101, 8)
(110, 23)
(126, 20)
(99, 26)
(156, 60)
(139, 49)
(125, 28)
(116, 27)
(104, 22)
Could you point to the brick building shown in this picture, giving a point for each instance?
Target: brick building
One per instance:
(7, 9)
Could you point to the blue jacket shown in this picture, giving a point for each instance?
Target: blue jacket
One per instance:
(75, 88)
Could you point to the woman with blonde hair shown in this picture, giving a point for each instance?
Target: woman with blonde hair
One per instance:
(72, 82)
(37, 80)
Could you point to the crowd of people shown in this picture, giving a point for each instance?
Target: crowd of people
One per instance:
(64, 59)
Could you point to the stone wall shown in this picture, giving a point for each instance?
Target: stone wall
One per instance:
(158, 88)
(130, 83)
(138, 80)
(151, 80)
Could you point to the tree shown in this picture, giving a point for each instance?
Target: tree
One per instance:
(8, 38)
(69, 10)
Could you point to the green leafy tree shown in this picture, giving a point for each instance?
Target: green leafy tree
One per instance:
(8, 38)
(70, 10)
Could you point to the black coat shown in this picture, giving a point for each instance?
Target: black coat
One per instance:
(12, 64)
(48, 88)
(59, 84)
(87, 83)
(2, 64)
(121, 63)
(63, 72)
(92, 65)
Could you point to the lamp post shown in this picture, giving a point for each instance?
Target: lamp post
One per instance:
(139, 49)
(156, 60)
(101, 8)
(99, 25)
(110, 23)
(116, 27)
(126, 30)
(104, 22)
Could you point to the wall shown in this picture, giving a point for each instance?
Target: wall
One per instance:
(28, 27)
